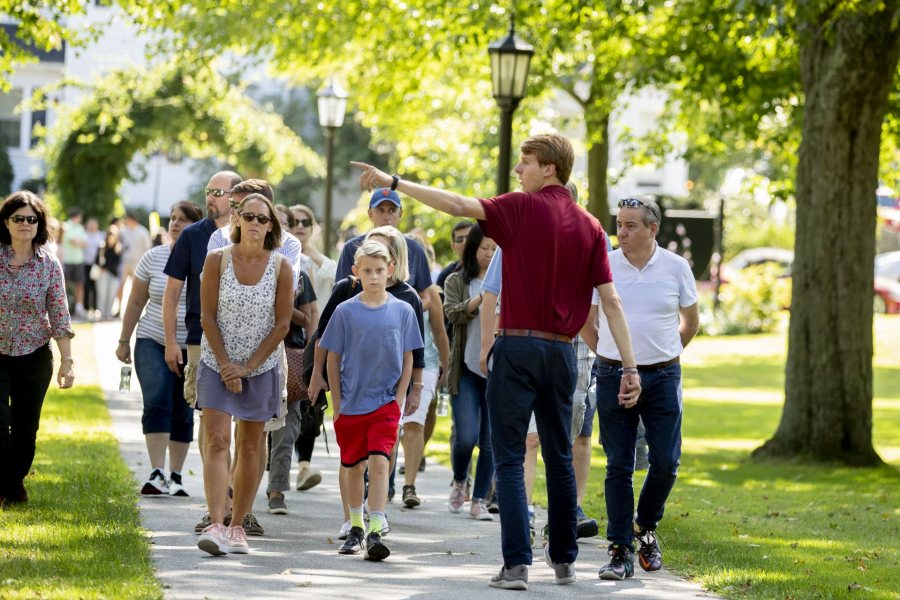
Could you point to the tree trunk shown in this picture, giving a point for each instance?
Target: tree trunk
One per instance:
(847, 69)
(597, 129)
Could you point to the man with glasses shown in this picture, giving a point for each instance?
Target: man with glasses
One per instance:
(554, 255)
(659, 295)
(457, 243)
(184, 266)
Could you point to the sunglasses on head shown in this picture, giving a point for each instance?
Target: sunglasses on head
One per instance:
(30, 219)
(215, 192)
(261, 219)
(635, 203)
(307, 223)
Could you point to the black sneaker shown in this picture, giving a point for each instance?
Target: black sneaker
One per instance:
(587, 527)
(410, 499)
(375, 548)
(354, 542)
(621, 565)
(649, 554)
(156, 484)
(175, 486)
(493, 506)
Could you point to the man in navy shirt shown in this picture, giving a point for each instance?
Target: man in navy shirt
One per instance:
(185, 265)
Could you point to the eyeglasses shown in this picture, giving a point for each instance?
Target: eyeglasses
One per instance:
(459, 240)
(635, 203)
(261, 219)
(30, 219)
(307, 223)
(215, 192)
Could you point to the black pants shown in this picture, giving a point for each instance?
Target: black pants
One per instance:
(90, 290)
(23, 383)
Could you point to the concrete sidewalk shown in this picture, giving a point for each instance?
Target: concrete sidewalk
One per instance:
(434, 554)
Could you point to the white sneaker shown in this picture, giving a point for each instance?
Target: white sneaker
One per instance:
(345, 531)
(212, 540)
(156, 485)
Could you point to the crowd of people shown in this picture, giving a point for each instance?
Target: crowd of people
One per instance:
(527, 355)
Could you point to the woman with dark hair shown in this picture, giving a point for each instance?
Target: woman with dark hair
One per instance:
(468, 384)
(168, 421)
(109, 259)
(246, 303)
(33, 304)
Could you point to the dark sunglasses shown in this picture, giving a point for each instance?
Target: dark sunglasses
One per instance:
(261, 219)
(635, 203)
(215, 192)
(30, 219)
(307, 223)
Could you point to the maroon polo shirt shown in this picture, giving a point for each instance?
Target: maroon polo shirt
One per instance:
(554, 254)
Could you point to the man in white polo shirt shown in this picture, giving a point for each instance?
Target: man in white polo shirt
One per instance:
(659, 296)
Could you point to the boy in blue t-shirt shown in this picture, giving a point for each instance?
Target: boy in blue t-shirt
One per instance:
(370, 340)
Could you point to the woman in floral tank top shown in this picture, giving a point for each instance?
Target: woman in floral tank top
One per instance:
(246, 305)
(33, 309)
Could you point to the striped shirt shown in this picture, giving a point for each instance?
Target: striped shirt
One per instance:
(150, 271)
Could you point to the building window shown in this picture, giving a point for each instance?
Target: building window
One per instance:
(10, 120)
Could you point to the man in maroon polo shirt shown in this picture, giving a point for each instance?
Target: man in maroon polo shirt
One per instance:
(554, 255)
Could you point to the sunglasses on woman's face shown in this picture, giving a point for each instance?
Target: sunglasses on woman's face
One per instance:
(261, 219)
(19, 219)
(307, 223)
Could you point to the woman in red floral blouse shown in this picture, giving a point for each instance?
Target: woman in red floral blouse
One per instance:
(33, 309)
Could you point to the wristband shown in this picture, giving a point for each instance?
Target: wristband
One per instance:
(68, 358)
(630, 370)
(124, 341)
(395, 181)
(418, 384)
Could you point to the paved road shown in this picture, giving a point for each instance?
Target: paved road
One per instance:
(435, 554)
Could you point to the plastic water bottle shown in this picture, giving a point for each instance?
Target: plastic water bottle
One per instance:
(443, 401)
(125, 379)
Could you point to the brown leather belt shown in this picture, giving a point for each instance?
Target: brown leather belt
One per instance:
(660, 365)
(553, 337)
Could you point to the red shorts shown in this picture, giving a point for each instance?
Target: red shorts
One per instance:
(359, 436)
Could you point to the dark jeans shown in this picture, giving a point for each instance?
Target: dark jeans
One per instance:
(533, 374)
(23, 383)
(165, 410)
(90, 290)
(659, 408)
(470, 418)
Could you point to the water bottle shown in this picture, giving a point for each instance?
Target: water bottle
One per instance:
(443, 401)
(125, 379)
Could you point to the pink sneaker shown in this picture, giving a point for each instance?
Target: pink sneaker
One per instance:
(457, 496)
(212, 540)
(236, 540)
(479, 510)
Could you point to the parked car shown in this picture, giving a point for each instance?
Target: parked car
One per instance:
(887, 283)
(757, 256)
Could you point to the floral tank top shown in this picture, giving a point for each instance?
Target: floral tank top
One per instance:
(245, 315)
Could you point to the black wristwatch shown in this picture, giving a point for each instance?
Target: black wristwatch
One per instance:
(395, 181)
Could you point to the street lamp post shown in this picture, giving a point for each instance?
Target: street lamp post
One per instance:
(332, 102)
(510, 60)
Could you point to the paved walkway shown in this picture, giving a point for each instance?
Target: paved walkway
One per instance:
(435, 554)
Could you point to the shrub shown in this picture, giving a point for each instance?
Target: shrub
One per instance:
(751, 303)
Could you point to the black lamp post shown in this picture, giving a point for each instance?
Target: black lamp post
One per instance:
(332, 102)
(510, 59)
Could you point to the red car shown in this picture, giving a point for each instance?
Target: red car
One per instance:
(887, 283)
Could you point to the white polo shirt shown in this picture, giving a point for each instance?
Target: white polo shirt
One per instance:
(651, 298)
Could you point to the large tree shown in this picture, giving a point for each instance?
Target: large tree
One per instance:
(848, 66)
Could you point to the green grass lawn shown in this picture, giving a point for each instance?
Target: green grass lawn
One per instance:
(79, 536)
(748, 530)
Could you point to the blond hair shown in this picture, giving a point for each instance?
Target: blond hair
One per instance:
(372, 250)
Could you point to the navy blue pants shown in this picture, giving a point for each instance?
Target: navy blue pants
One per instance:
(530, 374)
(659, 407)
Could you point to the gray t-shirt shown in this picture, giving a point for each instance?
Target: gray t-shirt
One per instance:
(472, 352)
(371, 342)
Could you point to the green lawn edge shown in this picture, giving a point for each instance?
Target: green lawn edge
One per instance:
(80, 535)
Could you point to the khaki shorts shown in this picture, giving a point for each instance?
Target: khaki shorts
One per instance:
(190, 375)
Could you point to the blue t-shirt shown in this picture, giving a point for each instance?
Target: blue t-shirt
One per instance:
(371, 342)
(186, 263)
(419, 275)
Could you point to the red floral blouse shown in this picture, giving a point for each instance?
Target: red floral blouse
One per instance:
(33, 306)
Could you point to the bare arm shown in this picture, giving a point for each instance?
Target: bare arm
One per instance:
(690, 323)
(403, 385)
(439, 335)
(590, 331)
(169, 316)
(334, 374)
(66, 376)
(488, 327)
(446, 202)
(312, 323)
(317, 382)
(611, 304)
(300, 315)
(136, 302)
